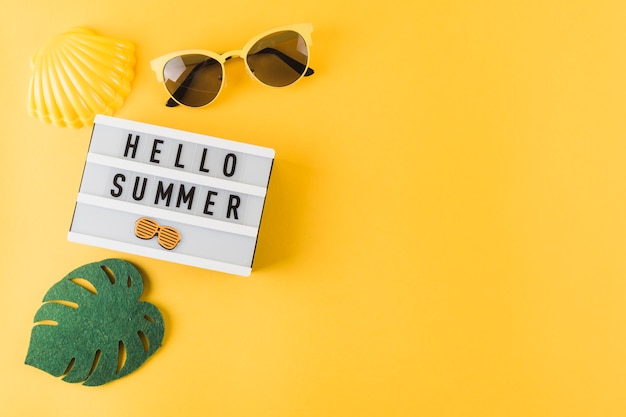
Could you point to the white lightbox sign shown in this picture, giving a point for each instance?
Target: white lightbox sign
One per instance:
(172, 195)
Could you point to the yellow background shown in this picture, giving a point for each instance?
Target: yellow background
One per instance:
(444, 233)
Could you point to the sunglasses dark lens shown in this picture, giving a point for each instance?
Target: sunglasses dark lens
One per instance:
(279, 59)
(193, 80)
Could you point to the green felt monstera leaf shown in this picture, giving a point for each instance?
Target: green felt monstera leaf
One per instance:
(92, 328)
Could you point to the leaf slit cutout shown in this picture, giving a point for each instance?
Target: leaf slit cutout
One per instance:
(82, 282)
(65, 303)
(96, 359)
(144, 341)
(129, 282)
(121, 357)
(147, 317)
(69, 367)
(109, 273)
(46, 323)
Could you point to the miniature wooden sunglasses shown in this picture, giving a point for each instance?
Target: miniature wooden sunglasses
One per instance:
(278, 57)
(167, 236)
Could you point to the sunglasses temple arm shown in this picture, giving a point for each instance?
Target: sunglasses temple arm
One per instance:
(293, 64)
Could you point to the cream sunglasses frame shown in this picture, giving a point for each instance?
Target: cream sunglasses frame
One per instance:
(158, 64)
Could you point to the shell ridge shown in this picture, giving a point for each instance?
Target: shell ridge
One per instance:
(58, 92)
(78, 112)
(94, 92)
(34, 95)
(47, 96)
(115, 93)
(102, 53)
(37, 104)
(54, 114)
(66, 112)
(121, 50)
(118, 53)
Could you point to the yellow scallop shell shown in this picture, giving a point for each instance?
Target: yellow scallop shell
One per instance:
(77, 75)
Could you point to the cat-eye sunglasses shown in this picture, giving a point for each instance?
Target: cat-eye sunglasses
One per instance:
(277, 58)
